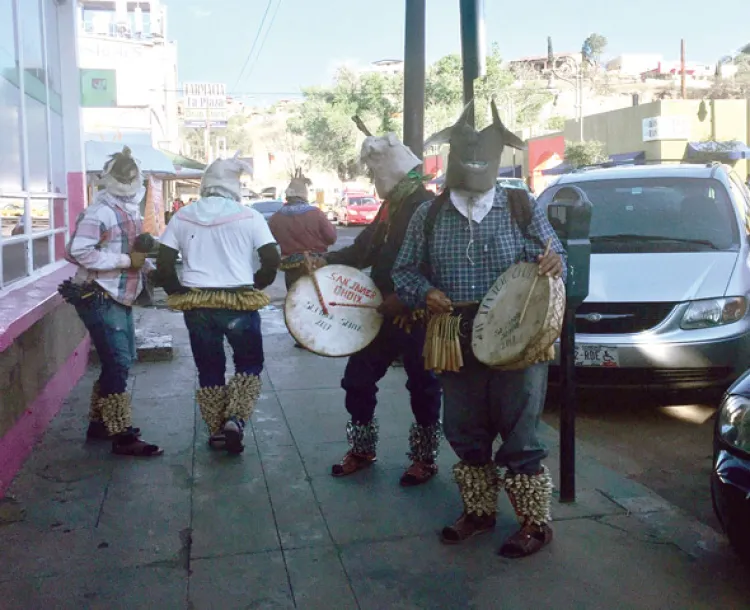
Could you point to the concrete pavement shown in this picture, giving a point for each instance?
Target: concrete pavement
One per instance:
(271, 529)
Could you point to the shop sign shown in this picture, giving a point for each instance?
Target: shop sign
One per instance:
(675, 127)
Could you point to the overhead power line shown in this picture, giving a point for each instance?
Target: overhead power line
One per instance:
(255, 42)
(265, 37)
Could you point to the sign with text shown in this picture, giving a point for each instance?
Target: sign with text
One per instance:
(675, 127)
(98, 88)
(205, 102)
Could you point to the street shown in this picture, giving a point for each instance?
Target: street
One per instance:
(661, 442)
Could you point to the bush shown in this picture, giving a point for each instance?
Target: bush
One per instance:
(580, 154)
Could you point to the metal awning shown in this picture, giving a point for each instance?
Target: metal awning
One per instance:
(732, 150)
(152, 160)
(184, 162)
(511, 171)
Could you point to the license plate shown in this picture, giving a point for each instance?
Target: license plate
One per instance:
(597, 356)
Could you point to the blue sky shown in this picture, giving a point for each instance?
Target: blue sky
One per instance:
(306, 41)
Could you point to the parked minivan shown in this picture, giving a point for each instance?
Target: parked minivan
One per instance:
(670, 277)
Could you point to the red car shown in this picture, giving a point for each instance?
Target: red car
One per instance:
(356, 209)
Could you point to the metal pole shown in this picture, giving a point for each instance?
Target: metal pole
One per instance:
(580, 101)
(683, 81)
(568, 408)
(414, 74)
(207, 137)
(469, 51)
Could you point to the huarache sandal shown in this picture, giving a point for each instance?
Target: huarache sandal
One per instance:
(234, 434)
(418, 473)
(353, 462)
(528, 540)
(467, 526)
(131, 445)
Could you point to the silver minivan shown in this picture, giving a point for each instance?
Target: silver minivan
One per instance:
(670, 277)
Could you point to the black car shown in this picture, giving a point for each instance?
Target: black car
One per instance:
(267, 208)
(730, 476)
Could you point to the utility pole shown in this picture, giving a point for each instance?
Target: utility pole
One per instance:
(472, 51)
(683, 81)
(207, 136)
(414, 75)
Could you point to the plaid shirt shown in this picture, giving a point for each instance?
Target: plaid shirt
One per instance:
(101, 244)
(462, 269)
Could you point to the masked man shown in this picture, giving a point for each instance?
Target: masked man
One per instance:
(394, 169)
(103, 291)
(220, 296)
(300, 228)
(454, 250)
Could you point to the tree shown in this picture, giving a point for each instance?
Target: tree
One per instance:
(581, 154)
(556, 123)
(332, 140)
(597, 44)
(236, 133)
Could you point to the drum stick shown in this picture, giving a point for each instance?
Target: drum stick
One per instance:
(317, 286)
(533, 285)
(359, 305)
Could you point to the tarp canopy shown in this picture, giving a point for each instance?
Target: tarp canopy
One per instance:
(152, 161)
(183, 162)
(631, 158)
(732, 150)
(563, 168)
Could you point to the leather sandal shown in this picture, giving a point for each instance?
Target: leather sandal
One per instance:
(528, 540)
(418, 473)
(131, 445)
(467, 526)
(353, 462)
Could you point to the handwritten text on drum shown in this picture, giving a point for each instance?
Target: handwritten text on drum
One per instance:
(350, 289)
(324, 322)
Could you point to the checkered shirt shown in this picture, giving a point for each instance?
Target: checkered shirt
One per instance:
(101, 244)
(462, 269)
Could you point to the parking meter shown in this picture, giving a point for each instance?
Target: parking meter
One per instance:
(570, 216)
(569, 213)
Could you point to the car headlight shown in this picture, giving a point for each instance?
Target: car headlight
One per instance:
(714, 312)
(734, 422)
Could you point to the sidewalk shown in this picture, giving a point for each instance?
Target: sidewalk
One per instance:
(271, 529)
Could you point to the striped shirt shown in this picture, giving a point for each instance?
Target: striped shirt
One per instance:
(101, 244)
(466, 263)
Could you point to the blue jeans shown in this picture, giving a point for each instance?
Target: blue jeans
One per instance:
(482, 404)
(110, 325)
(366, 368)
(207, 329)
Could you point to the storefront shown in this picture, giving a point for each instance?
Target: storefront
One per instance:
(42, 190)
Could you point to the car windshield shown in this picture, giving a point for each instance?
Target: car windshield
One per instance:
(362, 201)
(267, 206)
(658, 214)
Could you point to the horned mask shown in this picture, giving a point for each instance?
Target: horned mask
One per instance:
(389, 160)
(222, 178)
(474, 157)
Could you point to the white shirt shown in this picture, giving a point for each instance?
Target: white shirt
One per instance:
(217, 247)
(476, 204)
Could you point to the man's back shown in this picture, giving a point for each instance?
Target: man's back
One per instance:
(301, 227)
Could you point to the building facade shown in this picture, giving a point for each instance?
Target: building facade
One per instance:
(43, 346)
(128, 74)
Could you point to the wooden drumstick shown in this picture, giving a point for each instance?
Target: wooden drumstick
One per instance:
(317, 286)
(359, 305)
(533, 285)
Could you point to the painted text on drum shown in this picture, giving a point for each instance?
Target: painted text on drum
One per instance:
(350, 290)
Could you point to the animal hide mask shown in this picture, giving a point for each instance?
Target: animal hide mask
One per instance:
(474, 157)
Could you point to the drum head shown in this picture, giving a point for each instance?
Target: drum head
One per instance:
(345, 330)
(498, 338)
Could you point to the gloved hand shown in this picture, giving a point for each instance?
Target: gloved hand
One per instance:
(264, 278)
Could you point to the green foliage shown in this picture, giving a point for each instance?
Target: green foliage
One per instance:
(581, 154)
(598, 44)
(332, 140)
(556, 123)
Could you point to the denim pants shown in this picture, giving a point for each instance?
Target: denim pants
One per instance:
(207, 329)
(482, 404)
(110, 325)
(366, 368)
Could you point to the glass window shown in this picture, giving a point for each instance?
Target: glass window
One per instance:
(41, 252)
(10, 142)
(54, 78)
(31, 37)
(36, 142)
(8, 58)
(59, 176)
(658, 215)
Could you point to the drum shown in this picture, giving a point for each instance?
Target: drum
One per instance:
(500, 338)
(351, 321)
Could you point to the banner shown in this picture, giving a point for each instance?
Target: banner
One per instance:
(153, 216)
